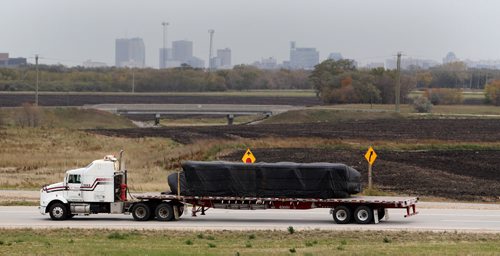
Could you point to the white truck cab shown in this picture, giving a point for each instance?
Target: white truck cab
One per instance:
(99, 187)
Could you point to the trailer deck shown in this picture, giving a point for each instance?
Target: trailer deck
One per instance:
(375, 206)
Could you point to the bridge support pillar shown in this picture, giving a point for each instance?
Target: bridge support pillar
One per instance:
(230, 119)
(157, 119)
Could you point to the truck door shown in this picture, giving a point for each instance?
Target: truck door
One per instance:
(74, 192)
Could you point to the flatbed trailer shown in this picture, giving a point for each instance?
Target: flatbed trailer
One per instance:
(102, 187)
(358, 209)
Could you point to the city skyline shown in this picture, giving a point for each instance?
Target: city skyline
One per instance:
(368, 32)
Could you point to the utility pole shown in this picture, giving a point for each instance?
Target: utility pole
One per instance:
(398, 82)
(36, 90)
(133, 80)
(164, 50)
(210, 64)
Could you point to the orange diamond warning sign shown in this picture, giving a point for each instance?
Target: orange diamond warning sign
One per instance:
(248, 157)
(370, 156)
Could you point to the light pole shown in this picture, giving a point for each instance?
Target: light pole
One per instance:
(210, 64)
(133, 80)
(36, 90)
(398, 82)
(164, 51)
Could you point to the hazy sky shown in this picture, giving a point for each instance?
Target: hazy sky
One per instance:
(72, 31)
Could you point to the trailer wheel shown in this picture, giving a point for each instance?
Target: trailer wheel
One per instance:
(363, 215)
(342, 214)
(58, 211)
(164, 212)
(141, 212)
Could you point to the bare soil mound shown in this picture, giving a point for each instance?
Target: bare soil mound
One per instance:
(463, 130)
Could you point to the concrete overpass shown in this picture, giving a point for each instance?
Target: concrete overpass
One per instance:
(156, 111)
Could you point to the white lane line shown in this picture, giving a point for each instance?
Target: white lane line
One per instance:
(480, 221)
(461, 215)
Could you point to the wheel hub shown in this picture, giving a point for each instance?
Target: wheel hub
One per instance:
(57, 212)
(163, 213)
(363, 215)
(141, 213)
(341, 215)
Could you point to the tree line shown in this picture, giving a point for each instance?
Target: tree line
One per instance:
(334, 81)
(341, 82)
(183, 79)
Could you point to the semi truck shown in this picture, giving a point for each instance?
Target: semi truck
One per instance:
(101, 187)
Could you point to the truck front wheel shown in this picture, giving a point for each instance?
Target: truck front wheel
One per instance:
(58, 211)
(164, 212)
(141, 212)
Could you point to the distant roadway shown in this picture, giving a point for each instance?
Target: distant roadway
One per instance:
(198, 109)
(432, 217)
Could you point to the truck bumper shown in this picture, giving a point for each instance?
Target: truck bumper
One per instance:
(42, 209)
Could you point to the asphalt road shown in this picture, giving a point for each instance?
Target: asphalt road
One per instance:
(470, 218)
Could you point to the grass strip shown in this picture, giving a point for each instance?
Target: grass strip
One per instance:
(282, 242)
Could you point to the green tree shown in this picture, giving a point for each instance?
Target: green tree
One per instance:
(492, 92)
(323, 75)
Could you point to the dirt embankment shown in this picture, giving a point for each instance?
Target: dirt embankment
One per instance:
(461, 175)
(459, 130)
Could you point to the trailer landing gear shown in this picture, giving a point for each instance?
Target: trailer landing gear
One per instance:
(198, 209)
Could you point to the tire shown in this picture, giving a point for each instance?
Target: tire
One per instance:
(164, 212)
(58, 211)
(363, 215)
(342, 214)
(141, 212)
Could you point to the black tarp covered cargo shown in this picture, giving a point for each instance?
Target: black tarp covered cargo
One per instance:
(285, 179)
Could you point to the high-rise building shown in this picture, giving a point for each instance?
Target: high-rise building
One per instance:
(335, 56)
(303, 58)
(182, 50)
(5, 61)
(93, 64)
(225, 57)
(267, 63)
(409, 63)
(195, 62)
(130, 52)
(450, 57)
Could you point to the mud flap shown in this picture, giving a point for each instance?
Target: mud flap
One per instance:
(386, 215)
(375, 216)
(176, 212)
